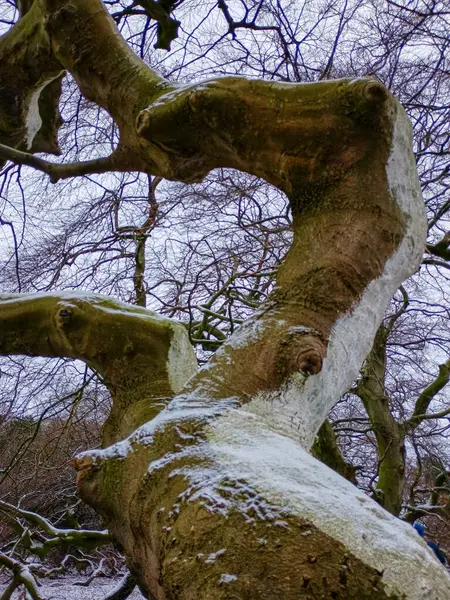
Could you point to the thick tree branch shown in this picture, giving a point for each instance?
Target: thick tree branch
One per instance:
(160, 10)
(326, 449)
(110, 74)
(441, 249)
(30, 77)
(143, 358)
(276, 378)
(389, 434)
(401, 311)
(34, 54)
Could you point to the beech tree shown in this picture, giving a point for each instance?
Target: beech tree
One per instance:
(205, 479)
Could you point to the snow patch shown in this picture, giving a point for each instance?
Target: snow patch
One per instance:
(181, 363)
(33, 121)
(285, 474)
(119, 450)
(70, 295)
(188, 407)
(227, 578)
(99, 301)
(179, 89)
(211, 559)
(249, 332)
(68, 588)
(301, 330)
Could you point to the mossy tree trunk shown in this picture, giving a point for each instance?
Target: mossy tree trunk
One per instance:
(389, 434)
(214, 494)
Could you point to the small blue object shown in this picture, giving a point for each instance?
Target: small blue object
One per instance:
(440, 555)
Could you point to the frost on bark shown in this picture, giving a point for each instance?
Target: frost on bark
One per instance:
(214, 494)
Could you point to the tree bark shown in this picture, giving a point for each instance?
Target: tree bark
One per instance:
(389, 434)
(217, 496)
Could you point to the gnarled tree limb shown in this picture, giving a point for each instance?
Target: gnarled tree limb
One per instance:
(143, 358)
(218, 496)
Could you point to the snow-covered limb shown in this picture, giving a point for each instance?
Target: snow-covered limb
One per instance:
(143, 358)
(229, 454)
(425, 398)
(54, 536)
(21, 576)
(234, 484)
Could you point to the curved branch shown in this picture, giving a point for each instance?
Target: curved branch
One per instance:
(34, 55)
(223, 473)
(21, 576)
(393, 319)
(30, 76)
(216, 470)
(436, 263)
(389, 434)
(441, 249)
(425, 398)
(57, 537)
(167, 29)
(57, 171)
(142, 357)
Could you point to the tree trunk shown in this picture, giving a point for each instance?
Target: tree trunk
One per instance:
(389, 434)
(218, 496)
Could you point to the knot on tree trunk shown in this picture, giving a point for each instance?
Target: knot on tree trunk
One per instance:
(375, 91)
(304, 350)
